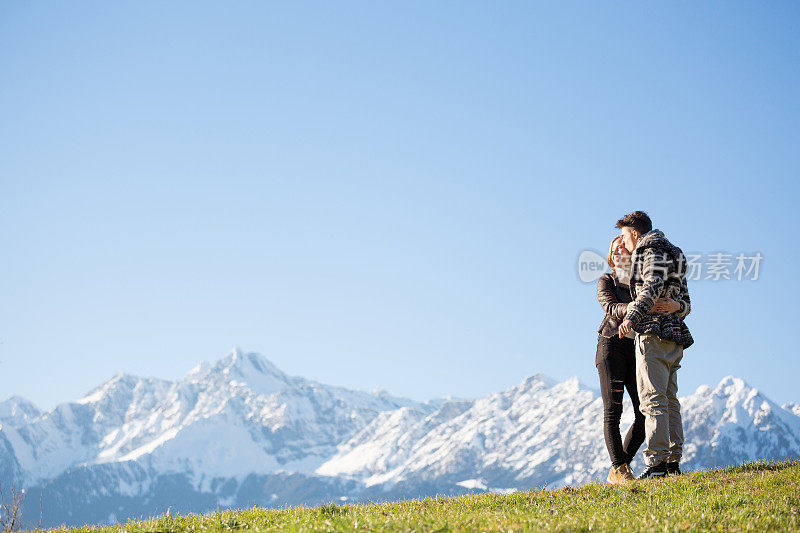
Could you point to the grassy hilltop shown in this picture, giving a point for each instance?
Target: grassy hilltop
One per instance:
(756, 496)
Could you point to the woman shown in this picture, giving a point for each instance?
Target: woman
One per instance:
(616, 362)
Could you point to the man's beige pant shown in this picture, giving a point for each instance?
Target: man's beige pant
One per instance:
(657, 364)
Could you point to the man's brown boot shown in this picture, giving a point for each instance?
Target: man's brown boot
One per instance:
(620, 474)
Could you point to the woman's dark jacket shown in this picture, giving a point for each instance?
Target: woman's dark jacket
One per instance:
(614, 298)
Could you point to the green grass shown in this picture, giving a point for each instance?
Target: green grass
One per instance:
(755, 496)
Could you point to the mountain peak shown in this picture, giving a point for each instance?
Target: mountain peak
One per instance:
(248, 362)
(16, 400)
(539, 380)
(250, 368)
(18, 410)
(121, 386)
(792, 407)
(733, 386)
(117, 383)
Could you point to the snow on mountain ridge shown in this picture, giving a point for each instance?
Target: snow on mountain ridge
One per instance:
(793, 408)
(238, 416)
(734, 423)
(17, 410)
(538, 433)
(508, 431)
(252, 369)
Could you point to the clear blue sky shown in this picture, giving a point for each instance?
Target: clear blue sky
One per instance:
(385, 194)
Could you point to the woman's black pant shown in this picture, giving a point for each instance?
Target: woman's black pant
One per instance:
(616, 365)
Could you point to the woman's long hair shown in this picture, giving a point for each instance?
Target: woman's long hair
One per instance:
(611, 252)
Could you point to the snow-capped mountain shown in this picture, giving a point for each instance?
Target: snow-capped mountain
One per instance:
(238, 417)
(537, 433)
(16, 411)
(544, 433)
(241, 432)
(735, 423)
(792, 408)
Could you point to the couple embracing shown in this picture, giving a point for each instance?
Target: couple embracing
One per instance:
(640, 346)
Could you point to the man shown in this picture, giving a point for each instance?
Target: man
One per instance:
(658, 270)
